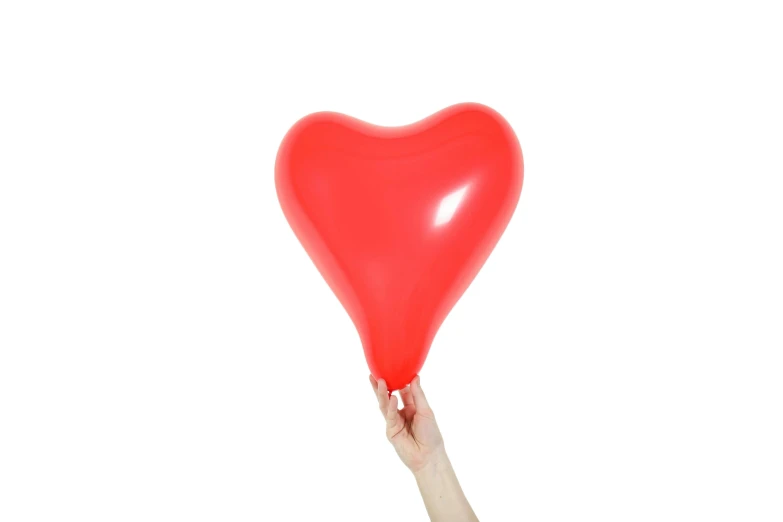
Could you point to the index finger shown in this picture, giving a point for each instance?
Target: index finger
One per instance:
(383, 396)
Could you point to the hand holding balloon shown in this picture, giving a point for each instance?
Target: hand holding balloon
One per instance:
(415, 436)
(412, 430)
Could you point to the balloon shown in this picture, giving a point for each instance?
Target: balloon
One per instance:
(399, 220)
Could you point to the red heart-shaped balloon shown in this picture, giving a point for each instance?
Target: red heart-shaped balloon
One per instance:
(399, 220)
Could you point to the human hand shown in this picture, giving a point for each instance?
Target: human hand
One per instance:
(412, 430)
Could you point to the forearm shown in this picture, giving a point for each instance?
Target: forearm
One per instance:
(442, 494)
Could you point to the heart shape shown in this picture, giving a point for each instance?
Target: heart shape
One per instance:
(399, 220)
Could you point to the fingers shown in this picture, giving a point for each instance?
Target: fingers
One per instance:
(391, 412)
(394, 421)
(422, 406)
(407, 398)
(383, 396)
(388, 404)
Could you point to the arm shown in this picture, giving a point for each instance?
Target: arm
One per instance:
(415, 436)
(442, 494)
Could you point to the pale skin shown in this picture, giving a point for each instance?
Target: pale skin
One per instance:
(413, 432)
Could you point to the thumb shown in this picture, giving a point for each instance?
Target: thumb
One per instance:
(422, 406)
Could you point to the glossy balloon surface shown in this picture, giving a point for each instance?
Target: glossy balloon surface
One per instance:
(399, 220)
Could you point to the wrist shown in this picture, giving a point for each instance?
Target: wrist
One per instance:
(435, 464)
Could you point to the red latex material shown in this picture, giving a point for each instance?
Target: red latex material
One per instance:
(399, 220)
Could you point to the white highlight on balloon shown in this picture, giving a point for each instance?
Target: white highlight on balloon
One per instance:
(449, 205)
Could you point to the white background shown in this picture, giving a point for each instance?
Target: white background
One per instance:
(168, 351)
